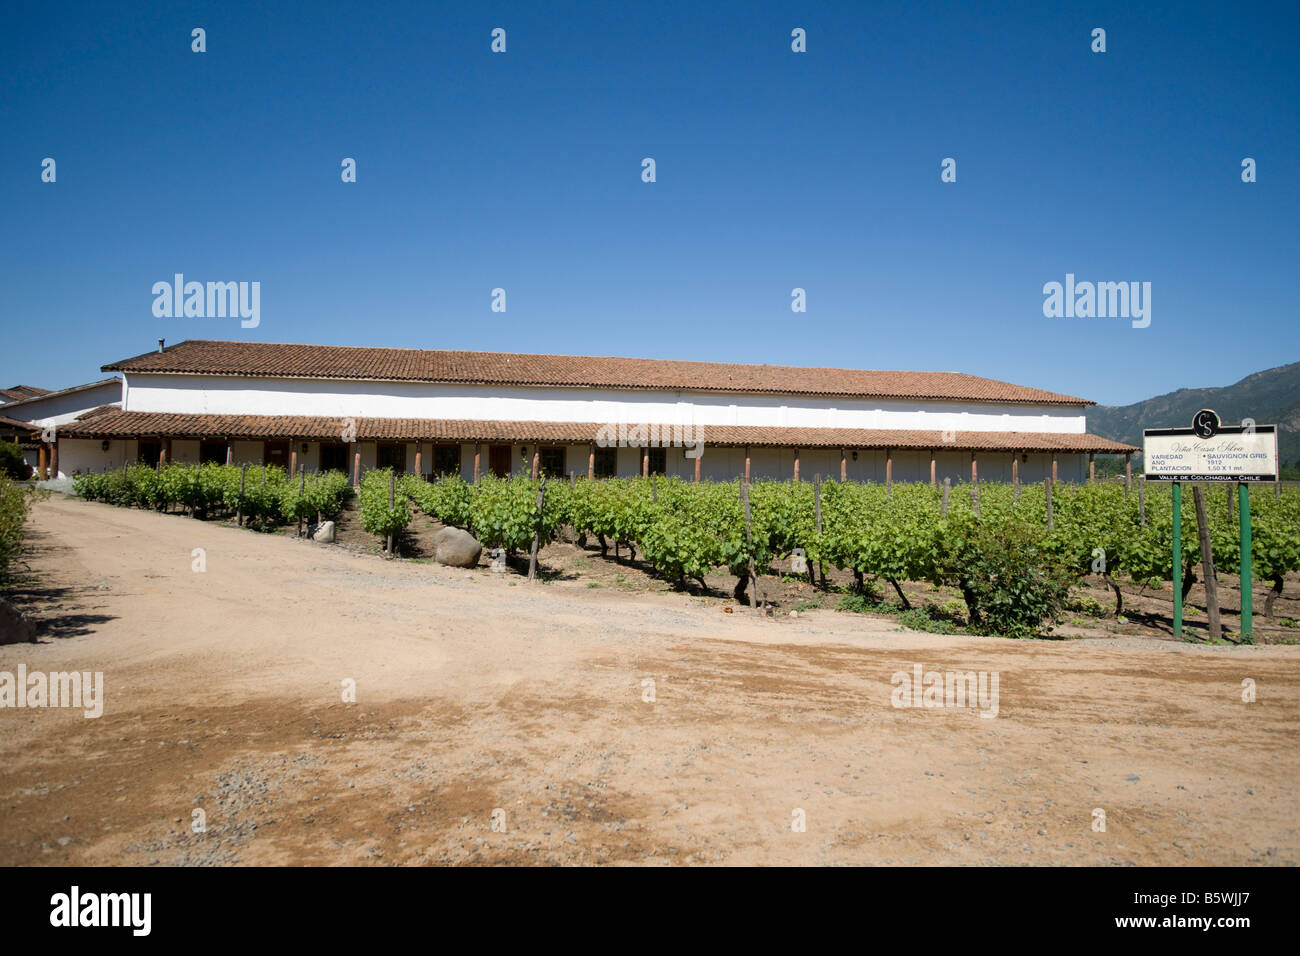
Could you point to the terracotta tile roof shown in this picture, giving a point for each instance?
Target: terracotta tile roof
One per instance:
(17, 425)
(261, 359)
(118, 424)
(19, 392)
(45, 393)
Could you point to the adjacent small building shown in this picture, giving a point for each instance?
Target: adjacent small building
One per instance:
(436, 412)
(31, 416)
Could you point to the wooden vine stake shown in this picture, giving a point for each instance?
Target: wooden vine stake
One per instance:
(1207, 566)
(817, 504)
(749, 543)
(392, 502)
(1047, 487)
(537, 531)
(943, 506)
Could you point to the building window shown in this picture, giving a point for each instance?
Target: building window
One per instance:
(658, 461)
(446, 460)
(334, 456)
(551, 462)
(606, 463)
(392, 455)
(212, 453)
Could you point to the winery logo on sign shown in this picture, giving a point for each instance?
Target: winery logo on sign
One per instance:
(1211, 451)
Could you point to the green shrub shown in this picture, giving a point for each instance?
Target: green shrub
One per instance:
(1011, 585)
(858, 603)
(318, 495)
(12, 463)
(14, 507)
(504, 513)
(448, 499)
(1086, 605)
(377, 516)
(920, 619)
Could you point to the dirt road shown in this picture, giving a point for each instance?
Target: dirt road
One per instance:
(482, 698)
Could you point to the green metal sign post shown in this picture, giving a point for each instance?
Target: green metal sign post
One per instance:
(1247, 604)
(1178, 558)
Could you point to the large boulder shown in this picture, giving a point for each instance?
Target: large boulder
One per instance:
(456, 548)
(14, 627)
(323, 532)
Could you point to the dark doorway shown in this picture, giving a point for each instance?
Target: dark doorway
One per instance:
(150, 452)
(334, 456)
(551, 462)
(391, 456)
(275, 453)
(446, 460)
(499, 460)
(606, 463)
(658, 461)
(212, 453)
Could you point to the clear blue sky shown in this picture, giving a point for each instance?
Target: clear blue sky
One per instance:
(775, 170)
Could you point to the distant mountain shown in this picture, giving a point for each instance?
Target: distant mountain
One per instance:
(1271, 397)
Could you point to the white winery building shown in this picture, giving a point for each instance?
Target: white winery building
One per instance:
(436, 411)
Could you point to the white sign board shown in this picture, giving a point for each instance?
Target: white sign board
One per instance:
(1237, 453)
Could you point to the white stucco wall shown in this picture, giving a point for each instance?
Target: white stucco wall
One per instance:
(216, 395)
(86, 455)
(61, 409)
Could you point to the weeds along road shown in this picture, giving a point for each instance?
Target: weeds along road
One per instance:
(480, 698)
